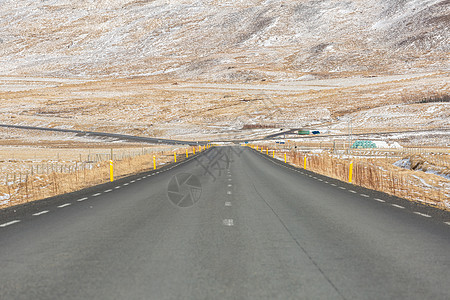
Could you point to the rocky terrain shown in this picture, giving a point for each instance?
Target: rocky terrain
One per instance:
(217, 40)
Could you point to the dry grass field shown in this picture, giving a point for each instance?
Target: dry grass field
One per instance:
(190, 110)
(28, 174)
(403, 173)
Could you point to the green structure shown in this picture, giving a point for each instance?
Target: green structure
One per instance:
(363, 145)
(303, 132)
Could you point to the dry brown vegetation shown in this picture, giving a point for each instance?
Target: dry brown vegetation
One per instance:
(59, 178)
(190, 110)
(379, 173)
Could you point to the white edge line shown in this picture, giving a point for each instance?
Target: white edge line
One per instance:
(41, 213)
(9, 223)
(398, 206)
(422, 214)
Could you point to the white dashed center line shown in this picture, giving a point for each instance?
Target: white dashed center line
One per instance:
(352, 191)
(448, 223)
(229, 193)
(228, 222)
(132, 181)
(422, 214)
(398, 206)
(117, 187)
(95, 195)
(333, 184)
(125, 184)
(40, 213)
(64, 205)
(82, 199)
(230, 185)
(379, 200)
(342, 188)
(227, 203)
(364, 195)
(107, 191)
(9, 223)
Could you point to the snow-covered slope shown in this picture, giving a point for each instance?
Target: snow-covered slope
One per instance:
(223, 39)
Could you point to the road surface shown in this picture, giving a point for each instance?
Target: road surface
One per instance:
(142, 139)
(243, 226)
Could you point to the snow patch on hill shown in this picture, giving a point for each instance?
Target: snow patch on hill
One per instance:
(222, 40)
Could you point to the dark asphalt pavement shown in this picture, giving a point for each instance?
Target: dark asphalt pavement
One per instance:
(126, 137)
(253, 228)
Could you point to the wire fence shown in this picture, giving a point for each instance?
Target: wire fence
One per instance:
(29, 180)
(417, 174)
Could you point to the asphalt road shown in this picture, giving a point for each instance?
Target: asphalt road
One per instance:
(125, 137)
(249, 227)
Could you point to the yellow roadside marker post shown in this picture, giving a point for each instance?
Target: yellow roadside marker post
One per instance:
(267, 151)
(187, 154)
(111, 171)
(273, 153)
(350, 173)
(175, 157)
(304, 162)
(154, 162)
(193, 149)
(285, 160)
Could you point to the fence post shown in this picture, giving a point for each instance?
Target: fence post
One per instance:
(111, 171)
(26, 186)
(350, 174)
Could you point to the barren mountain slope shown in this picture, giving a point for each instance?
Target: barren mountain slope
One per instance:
(223, 40)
